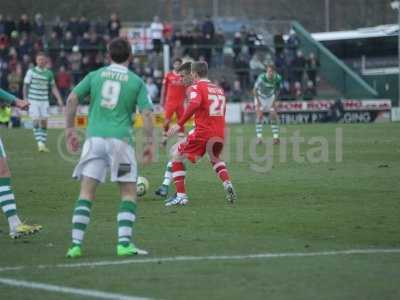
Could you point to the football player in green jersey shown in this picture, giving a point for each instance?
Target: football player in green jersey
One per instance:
(7, 198)
(38, 83)
(115, 93)
(266, 90)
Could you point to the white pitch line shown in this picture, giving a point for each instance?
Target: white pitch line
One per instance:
(67, 290)
(205, 258)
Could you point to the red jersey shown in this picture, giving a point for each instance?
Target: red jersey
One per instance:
(207, 102)
(174, 89)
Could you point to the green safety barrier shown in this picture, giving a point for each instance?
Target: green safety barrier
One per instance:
(338, 74)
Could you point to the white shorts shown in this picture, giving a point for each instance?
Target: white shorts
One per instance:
(266, 104)
(38, 109)
(102, 154)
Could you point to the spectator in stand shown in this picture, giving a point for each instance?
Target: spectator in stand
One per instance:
(53, 45)
(9, 26)
(83, 26)
(241, 66)
(292, 45)
(14, 39)
(64, 81)
(208, 28)
(137, 66)
(99, 26)
(14, 79)
(285, 93)
(299, 66)
(206, 43)
(73, 27)
(158, 77)
(12, 59)
(237, 94)
(26, 64)
(114, 25)
(256, 67)
(2, 25)
(38, 26)
(25, 46)
(281, 65)
(224, 84)
(167, 32)
(219, 42)
(156, 33)
(98, 61)
(252, 41)
(279, 44)
(237, 45)
(87, 65)
(24, 25)
(177, 50)
(68, 41)
(58, 27)
(75, 60)
(62, 59)
(297, 93)
(84, 44)
(312, 66)
(3, 73)
(309, 92)
(3, 45)
(152, 89)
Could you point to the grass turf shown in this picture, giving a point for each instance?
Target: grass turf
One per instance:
(295, 207)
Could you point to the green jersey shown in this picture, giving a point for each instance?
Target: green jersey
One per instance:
(6, 97)
(267, 88)
(114, 92)
(39, 81)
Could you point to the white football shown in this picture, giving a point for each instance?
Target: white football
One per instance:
(142, 186)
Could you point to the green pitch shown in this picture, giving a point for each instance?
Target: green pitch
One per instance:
(295, 207)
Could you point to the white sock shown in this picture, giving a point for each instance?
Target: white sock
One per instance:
(14, 222)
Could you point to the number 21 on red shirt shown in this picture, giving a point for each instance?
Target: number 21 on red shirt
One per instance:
(217, 105)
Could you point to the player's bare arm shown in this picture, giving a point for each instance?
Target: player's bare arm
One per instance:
(25, 91)
(57, 94)
(70, 131)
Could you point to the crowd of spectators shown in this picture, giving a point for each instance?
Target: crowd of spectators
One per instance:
(74, 47)
(78, 46)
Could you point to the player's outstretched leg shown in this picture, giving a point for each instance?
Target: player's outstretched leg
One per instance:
(8, 204)
(9, 208)
(222, 172)
(178, 174)
(162, 191)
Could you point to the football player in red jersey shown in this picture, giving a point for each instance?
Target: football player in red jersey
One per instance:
(173, 94)
(207, 104)
(163, 189)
